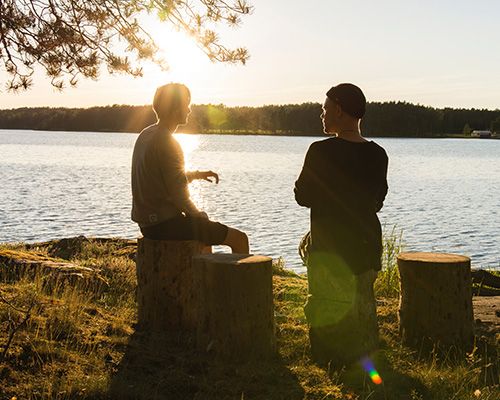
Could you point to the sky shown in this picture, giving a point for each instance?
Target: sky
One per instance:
(439, 53)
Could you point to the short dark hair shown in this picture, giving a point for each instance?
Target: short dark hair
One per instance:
(350, 98)
(169, 98)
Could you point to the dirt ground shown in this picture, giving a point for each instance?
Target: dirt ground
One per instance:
(487, 313)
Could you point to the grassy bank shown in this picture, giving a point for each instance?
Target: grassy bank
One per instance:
(73, 337)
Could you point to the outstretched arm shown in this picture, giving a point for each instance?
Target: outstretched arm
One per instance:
(205, 175)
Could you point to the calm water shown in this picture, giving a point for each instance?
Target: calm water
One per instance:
(443, 193)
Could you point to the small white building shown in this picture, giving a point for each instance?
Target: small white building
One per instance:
(481, 134)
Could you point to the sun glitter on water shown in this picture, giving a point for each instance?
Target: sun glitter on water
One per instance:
(189, 143)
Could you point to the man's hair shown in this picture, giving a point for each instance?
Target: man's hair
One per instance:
(168, 98)
(350, 98)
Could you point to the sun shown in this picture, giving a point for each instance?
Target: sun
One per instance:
(185, 59)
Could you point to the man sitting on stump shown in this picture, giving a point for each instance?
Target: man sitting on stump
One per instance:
(161, 202)
(343, 182)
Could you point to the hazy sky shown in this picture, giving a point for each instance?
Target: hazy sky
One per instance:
(438, 53)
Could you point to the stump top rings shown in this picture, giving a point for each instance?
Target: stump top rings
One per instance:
(433, 258)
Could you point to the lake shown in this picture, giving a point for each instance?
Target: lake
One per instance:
(444, 194)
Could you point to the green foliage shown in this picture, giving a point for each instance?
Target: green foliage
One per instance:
(279, 268)
(495, 125)
(467, 130)
(72, 38)
(382, 119)
(387, 283)
(406, 119)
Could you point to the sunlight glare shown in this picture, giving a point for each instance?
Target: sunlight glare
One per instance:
(189, 143)
(185, 59)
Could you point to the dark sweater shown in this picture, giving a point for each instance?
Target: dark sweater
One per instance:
(345, 183)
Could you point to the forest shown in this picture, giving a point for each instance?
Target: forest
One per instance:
(390, 119)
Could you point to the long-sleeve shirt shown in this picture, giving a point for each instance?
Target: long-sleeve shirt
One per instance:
(159, 182)
(344, 184)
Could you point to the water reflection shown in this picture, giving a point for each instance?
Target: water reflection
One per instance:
(443, 194)
(189, 143)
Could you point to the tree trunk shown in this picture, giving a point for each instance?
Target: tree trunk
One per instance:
(235, 306)
(165, 285)
(436, 301)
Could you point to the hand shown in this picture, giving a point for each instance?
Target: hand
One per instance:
(207, 175)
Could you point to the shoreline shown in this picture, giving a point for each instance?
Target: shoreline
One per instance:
(30, 244)
(265, 133)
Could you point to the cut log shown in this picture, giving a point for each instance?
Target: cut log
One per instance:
(235, 306)
(485, 278)
(67, 248)
(435, 309)
(165, 285)
(52, 272)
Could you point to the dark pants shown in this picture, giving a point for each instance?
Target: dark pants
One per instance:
(187, 228)
(341, 311)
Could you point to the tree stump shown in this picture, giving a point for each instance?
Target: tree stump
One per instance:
(165, 285)
(235, 306)
(435, 309)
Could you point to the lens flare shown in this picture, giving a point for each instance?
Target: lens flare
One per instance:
(370, 369)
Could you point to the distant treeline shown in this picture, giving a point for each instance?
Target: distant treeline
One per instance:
(382, 119)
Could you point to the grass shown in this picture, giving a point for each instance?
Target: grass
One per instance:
(387, 283)
(79, 342)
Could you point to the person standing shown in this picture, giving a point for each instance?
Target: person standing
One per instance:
(343, 181)
(161, 204)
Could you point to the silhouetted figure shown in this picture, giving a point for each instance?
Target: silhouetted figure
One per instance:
(343, 182)
(161, 202)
